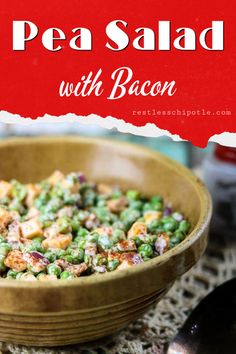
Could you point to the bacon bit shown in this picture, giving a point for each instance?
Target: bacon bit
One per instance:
(46, 277)
(15, 261)
(32, 192)
(5, 189)
(31, 228)
(77, 269)
(92, 221)
(5, 219)
(61, 241)
(126, 246)
(162, 243)
(117, 205)
(36, 261)
(105, 230)
(52, 231)
(28, 277)
(72, 187)
(91, 249)
(15, 215)
(62, 263)
(129, 259)
(100, 269)
(32, 213)
(13, 232)
(150, 216)
(103, 188)
(138, 228)
(66, 211)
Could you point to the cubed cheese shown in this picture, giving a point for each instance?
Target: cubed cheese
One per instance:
(31, 229)
(56, 177)
(15, 261)
(5, 218)
(5, 189)
(138, 228)
(32, 192)
(61, 241)
(150, 216)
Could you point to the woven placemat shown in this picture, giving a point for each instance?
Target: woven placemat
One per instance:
(153, 331)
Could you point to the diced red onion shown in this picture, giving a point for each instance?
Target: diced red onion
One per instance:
(81, 178)
(100, 269)
(167, 211)
(137, 259)
(39, 256)
(177, 216)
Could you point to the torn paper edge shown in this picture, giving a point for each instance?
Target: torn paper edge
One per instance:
(148, 130)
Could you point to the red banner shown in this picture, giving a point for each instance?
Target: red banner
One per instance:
(144, 62)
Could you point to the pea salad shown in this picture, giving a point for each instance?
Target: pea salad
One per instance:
(65, 227)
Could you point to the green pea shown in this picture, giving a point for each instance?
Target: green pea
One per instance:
(77, 256)
(82, 215)
(53, 205)
(82, 232)
(147, 207)
(179, 234)
(116, 194)
(155, 226)
(54, 269)
(16, 205)
(133, 194)
(151, 239)
(136, 204)
(38, 239)
(89, 198)
(71, 199)
(2, 265)
(19, 275)
(118, 235)
(113, 264)
(60, 253)
(33, 246)
(184, 226)
(145, 250)
(103, 214)
(68, 258)
(81, 243)
(104, 242)
(19, 191)
(64, 224)
(174, 240)
(47, 219)
(169, 224)
(101, 203)
(75, 224)
(138, 241)
(118, 225)
(42, 200)
(5, 201)
(2, 239)
(66, 275)
(129, 216)
(51, 256)
(12, 274)
(156, 199)
(4, 249)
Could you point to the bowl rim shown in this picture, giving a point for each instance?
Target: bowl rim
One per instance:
(203, 221)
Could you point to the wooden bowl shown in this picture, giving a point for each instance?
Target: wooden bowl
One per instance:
(87, 308)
